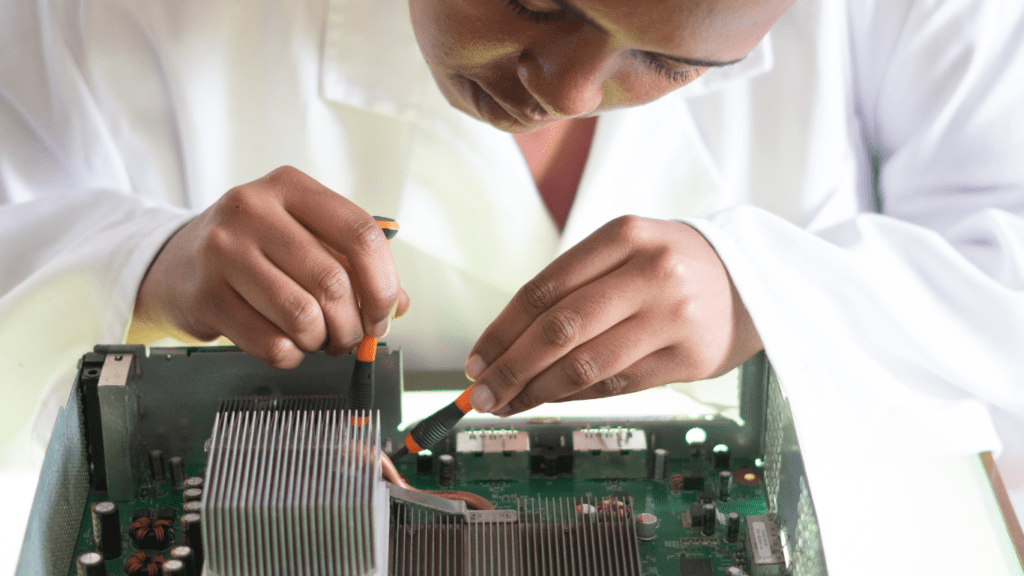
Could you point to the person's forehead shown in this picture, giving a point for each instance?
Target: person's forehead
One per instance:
(710, 29)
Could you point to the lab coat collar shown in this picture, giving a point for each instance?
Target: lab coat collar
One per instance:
(371, 60)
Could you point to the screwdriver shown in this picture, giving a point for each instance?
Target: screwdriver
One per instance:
(361, 389)
(434, 427)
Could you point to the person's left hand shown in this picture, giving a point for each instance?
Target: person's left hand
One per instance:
(639, 303)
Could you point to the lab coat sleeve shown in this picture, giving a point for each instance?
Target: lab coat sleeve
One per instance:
(901, 333)
(72, 215)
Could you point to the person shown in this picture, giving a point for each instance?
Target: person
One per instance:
(691, 181)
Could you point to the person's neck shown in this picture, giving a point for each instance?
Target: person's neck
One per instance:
(556, 155)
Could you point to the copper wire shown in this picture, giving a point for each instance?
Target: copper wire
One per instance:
(473, 501)
(142, 527)
(139, 561)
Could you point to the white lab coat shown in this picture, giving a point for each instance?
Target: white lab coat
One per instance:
(120, 120)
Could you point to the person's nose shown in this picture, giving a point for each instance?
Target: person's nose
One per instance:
(566, 72)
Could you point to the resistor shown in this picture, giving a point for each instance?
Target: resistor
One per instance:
(708, 520)
(732, 527)
(660, 464)
(446, 470)
(106, 529)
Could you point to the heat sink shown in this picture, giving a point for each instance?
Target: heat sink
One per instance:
(294, 487)
(541, 537)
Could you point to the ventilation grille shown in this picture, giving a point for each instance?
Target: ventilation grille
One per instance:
(293, 488)
(545, 537)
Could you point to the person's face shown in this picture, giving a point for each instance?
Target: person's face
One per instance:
(521, 64)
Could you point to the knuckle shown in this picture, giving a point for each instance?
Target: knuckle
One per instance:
(538, 295)
(365, 235)
(581, 371)
(523, 401)
(333, 284)
(218, 241)
(506, 377)
(301, 312)
(613, 385)
(669, 266)
(279, 353)
(284, 172)
(562, 328)
(629, 227)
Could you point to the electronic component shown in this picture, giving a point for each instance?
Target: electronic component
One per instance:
(445, 469)
(173, 568)
(600, 453)
(707, 522)
(720, 457)
(106, 529)
(724, 485)
(156, 465)
(764, 546)
(193, 482)
(492, 454)
(91, 564)
(732, 527)
(151, 534)
(425, 462)
(660, 467)
(550, 456)
(184, 555)
(646, 526)
(694, 517)
(192, 534)
(177, 471)
(192, 494)
(696, 567)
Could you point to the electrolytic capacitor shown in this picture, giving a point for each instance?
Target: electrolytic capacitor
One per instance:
(91, 564)
(660, 464)
(173, 567)
(106, 529)
(646, 526)
(425, 462)
(185, 556)
(194, 482)
(156, 465)
(708, 520)
(193, 506)
(192, 530)
(192, 494)
(177, 471)
(724, 485)
(446, 470)
(732, 527)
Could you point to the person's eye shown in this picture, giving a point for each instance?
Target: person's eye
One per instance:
(535, 13)
(671, 72)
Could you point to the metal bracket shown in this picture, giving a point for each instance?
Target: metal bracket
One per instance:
(119, 416)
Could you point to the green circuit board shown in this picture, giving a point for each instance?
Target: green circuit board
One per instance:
(675, 537)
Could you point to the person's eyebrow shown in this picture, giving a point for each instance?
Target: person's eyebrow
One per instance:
(697, 62)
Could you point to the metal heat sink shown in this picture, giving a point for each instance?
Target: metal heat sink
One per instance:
(294, 487)
(541, 537)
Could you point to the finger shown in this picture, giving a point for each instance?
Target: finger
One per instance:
(656, 369)
(254, 334)
(596, 256)
(594, 363)
(279, 299)
(574, 321)
(316, 269)
(355, 234)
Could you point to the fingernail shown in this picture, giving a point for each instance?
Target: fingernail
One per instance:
(502, 411)
(474, 366)
(481, 399)
(382, 328)
(394, 309)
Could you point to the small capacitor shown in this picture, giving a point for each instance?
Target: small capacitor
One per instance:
(192, 530)
(91, 564)
(708, 520)
(720, 457)
(586, 510)
(193, 506)
(425, 462)
(184, 555)
(156, 465)
(106, 529)
(446, 470)
(646, 526)
(660, 464)
(177, 471)
(192, 494)
(174, 567)
(734, 571)
(732, 527)
(194, 482)
(724, 485)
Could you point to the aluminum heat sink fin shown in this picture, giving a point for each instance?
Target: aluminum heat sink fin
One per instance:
(294, 487)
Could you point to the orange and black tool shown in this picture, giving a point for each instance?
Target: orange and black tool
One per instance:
(361, 389)
(433, 428)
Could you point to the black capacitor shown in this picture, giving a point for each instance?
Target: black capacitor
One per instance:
(177, 472)
(720, 456)
(724, 485)
(194, 482)
(91, 564)
(660, 468)
(732, 527)
(446, 470)
(425, 462)
(192, 530)
(106, 529)
(192, 494)
(173, 568)
(185, 555)
(708, 520)
(156, 465)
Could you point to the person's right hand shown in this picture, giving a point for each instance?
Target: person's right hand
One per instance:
(280, 266)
